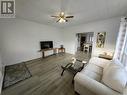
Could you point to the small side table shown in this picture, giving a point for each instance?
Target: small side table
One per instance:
(61, 50)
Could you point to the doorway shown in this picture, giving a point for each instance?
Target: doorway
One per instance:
(84, 44)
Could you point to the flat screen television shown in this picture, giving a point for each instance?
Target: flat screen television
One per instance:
(46, 44)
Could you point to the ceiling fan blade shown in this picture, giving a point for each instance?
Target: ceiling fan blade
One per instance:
(69, 16)
(58, 20)
(55, 16)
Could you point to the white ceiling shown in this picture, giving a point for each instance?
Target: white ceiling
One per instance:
(84, 11)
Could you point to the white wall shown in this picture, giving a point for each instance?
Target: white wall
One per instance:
(110, 26)
(0, 62)
(1, 68)
(20, 39)
(1, 73)
(0, 54)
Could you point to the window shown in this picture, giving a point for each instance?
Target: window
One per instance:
(120, 55)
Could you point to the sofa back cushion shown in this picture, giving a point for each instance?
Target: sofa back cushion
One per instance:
(99, 61)
(115, 77)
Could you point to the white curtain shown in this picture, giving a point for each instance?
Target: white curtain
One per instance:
(120, 55)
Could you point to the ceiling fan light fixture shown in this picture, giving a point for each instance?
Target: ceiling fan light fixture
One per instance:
(62, 13)
(62, 20)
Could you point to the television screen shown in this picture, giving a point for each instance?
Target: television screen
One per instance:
(46, 44)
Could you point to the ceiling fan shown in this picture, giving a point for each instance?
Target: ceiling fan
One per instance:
(62, 18)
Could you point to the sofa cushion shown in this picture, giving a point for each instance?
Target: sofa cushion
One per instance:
(93, 71)
(92, 75)
(115, 77)
(105, 69)
(94, 68)
(84, 84)
(99, 61)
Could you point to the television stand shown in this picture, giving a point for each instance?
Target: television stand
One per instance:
(44, 50)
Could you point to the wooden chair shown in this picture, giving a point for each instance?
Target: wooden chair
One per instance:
(86, 47)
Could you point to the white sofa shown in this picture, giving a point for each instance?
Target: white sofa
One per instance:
(89, 80)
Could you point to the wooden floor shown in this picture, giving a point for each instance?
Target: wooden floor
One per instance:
(46, 78)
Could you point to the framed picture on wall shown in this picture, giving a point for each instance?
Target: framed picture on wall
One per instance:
(100, 39)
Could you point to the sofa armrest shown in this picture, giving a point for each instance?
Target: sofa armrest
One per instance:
(93, 85)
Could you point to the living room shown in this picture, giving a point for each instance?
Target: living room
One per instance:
(22, 34)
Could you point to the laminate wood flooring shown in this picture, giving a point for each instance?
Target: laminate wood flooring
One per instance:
(46, 78)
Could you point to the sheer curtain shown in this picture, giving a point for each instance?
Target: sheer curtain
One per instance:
(120, 55)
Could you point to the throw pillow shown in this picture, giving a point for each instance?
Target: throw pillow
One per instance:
(115, 77)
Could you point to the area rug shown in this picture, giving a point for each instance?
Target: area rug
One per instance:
(15, 73)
